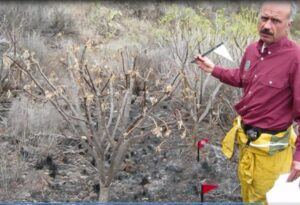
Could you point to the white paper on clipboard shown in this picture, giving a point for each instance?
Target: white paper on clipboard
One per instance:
(284, 192)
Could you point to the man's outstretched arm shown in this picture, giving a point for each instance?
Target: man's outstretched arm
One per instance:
(228, 76)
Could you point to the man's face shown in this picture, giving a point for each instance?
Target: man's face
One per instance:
(274, 22)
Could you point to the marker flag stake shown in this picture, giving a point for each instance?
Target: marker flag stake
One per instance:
(200, 144)
(222, 51)
(205, 188)
(208, 187)
(219, 49)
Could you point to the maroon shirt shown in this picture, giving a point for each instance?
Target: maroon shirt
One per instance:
(271, 85)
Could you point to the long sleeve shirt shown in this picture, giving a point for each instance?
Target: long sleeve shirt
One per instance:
(270, 79)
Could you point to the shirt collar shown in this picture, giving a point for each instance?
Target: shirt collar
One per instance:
(273, 46)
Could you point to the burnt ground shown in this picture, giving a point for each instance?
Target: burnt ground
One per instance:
(64, 172)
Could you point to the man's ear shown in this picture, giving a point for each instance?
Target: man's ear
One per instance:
(290, 23)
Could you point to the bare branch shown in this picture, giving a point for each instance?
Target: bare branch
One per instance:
(209, 104)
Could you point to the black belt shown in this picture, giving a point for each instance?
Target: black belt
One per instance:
(261, 130)
(253, 133)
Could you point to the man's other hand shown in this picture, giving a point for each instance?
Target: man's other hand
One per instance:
(205, 63)
(295, 171)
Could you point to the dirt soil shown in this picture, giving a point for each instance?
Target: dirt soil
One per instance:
(67, 174)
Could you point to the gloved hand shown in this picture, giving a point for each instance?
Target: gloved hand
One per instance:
(295, 171)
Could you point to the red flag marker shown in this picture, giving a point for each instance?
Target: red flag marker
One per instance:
(200, 144)
(205, 188)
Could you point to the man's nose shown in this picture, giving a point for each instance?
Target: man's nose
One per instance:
(268, 24)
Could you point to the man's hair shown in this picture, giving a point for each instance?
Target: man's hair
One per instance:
(293, 4)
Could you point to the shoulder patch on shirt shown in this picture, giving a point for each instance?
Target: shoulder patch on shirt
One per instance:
(247, 65)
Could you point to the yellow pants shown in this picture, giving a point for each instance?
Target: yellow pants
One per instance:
(261, 162)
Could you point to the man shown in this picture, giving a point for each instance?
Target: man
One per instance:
(269, 74)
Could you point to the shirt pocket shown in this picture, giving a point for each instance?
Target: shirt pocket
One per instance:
(274, 83)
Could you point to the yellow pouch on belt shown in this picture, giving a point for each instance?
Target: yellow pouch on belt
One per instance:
(266, 144)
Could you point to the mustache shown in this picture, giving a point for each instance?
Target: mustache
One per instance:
(266, 31)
